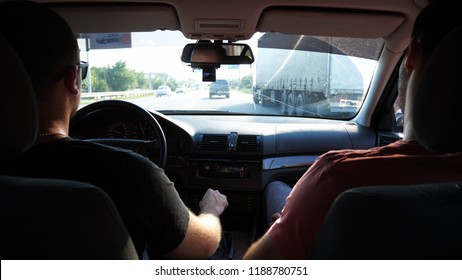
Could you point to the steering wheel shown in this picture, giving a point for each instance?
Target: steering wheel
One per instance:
(152, 148)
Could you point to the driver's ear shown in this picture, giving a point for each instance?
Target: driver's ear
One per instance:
(72, 80)
(412, 55)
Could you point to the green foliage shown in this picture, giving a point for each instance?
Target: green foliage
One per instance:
(119, 77)
(172, 83)
(98, 79)
(155, 80)
(234, 83)
(246, 82)
(141, 81)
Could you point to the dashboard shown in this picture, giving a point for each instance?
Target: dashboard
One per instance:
(235, 154)
(116, 126)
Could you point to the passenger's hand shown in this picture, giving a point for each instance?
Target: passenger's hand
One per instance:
(213, 203)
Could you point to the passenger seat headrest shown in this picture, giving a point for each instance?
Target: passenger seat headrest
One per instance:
(18, 108)
(437, 108)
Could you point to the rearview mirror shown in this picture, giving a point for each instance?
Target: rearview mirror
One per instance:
(214, 54)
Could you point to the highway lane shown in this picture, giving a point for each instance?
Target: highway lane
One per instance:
(200, 100)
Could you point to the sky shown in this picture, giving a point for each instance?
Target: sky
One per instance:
(154, 52)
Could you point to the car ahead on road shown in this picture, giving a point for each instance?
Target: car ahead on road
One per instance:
(309, 55)
(180, 90)
(219, 88)
(164, 91)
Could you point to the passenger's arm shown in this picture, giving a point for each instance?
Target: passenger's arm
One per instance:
(262, 250)
(204, 230)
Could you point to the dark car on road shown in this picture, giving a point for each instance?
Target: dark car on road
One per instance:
(219, 87)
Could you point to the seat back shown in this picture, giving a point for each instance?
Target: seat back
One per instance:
(408, 222)
(18, 109)
(48, 218)
(394, 222)
(60, 219)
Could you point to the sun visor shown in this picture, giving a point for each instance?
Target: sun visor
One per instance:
(104, 18)
(320, 22)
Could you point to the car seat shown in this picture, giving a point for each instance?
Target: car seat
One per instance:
(393, 223)
(408, 222)
(48, 218)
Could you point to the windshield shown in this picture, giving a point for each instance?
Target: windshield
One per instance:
(293, 75)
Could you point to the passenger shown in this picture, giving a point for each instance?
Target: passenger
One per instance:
(400, 103)
(403, 162)
(156, 218)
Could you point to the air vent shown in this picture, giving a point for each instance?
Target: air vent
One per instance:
(220, 142)
(214, 143)
(216, 24)
(248, 143)
(385, 140)
(211, 36)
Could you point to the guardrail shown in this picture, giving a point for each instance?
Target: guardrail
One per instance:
(116, 94)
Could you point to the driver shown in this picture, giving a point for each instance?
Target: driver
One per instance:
(208, 53)
(156, 218)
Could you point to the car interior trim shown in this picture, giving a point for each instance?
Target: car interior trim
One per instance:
(98, 18)
(288, 162)
(315, 22)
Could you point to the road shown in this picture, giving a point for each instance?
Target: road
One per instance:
(200, 100)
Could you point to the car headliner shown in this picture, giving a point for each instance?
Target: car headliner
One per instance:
(240, 19)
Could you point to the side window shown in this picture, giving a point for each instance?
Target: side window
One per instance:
(399, 115)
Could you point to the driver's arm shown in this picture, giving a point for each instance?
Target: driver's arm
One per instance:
(262, 250)
(204, 230)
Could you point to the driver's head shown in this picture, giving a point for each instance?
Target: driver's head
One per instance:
(48, 49)
(42, 39)
(208, 53)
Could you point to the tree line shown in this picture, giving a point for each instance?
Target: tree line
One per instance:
(119, 77)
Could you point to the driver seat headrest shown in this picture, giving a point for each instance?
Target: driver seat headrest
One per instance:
(18, 108)
(437, 105)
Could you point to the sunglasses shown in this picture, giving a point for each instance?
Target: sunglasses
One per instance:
(83, 65)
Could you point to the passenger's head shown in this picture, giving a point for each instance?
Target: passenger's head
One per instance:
(42, 39)
(432, 24)
(437, 102)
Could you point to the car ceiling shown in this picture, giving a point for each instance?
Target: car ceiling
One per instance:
(240, 19)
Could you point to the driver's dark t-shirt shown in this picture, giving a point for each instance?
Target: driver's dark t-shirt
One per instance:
(146, 199)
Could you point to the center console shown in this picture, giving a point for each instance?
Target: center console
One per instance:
(239, 180)
(224, 174)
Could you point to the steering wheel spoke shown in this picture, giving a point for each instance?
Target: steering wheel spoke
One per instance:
(131, 144)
